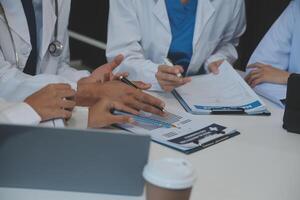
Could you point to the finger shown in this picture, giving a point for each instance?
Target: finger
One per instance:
(254, 78)
(150, 104)
(66, 93)
(168, 88)
(173, 79)
(61, 113)
(141, 85)
(214, 69)
(59, 86)
(257, 82)
(254, 72)
(170, 70)
(117, 119)
(66, 104)
(149, 99)
(256, 65)
(183, 81)
(148, 108)
(122, 107)
(116, 62)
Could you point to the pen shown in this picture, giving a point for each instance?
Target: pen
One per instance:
(146, 120)
(168, 62)
(227, 111)
(128, 82)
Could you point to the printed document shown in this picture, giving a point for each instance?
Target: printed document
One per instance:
(189, 135)
(224, 90)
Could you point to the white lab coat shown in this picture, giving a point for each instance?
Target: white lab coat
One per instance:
(140, 30)
(280, 48)
(14, 84)
(18, 113)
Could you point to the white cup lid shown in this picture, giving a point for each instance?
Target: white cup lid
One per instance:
(170, 173)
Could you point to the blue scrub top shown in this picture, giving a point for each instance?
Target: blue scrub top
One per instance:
(182, 19)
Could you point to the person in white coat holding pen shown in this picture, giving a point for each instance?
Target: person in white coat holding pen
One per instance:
(277, 56)
(196, 35)
(34, 52)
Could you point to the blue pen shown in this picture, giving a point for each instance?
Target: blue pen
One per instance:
(145, 120)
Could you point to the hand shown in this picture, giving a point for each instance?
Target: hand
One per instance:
(167, 77)
(214, 66)
(51, 102)
(100, 114)
(266, 73)
(104, 73)
(89, 94)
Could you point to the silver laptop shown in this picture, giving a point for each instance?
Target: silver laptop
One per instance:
(72, 160)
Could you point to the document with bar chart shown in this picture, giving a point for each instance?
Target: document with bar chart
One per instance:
(187, 133)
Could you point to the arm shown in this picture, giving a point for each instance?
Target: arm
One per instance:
(51, 102)
(270, 60)
(236, 27)
(275, 47)
(13, 113)
(124, 36)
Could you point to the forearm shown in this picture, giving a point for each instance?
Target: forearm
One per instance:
(88, 94)
(19, 113)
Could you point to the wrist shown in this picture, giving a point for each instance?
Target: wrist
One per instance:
(286, 78)
(88, 94)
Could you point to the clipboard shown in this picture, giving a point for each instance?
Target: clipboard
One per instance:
(227, 94)
(219, 110)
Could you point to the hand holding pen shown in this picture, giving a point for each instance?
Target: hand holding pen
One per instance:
(170, 76)
(134, 85)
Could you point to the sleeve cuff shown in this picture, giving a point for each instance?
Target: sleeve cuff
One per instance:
(22, 114)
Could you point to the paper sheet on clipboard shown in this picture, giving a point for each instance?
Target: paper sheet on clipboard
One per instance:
(224, 90)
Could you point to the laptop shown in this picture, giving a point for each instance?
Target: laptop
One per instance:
(72, 160)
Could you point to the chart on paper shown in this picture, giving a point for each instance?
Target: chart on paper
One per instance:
(169, 118)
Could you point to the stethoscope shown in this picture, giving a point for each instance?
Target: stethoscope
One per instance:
(55, 47)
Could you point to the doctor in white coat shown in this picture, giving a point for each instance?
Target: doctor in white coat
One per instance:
(15, 43)
(18, 42)
(277, 55)
(144, 31)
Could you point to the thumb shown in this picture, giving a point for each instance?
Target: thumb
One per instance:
(143, 86)
(214, 69)
(117, 119)
(116, 62)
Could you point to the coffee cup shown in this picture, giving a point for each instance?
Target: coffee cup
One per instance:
(169, 179)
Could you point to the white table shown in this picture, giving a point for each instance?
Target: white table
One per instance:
(263, 163)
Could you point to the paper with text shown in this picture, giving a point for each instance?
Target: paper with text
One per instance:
(224, 90)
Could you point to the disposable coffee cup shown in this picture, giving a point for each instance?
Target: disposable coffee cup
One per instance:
(169, 179)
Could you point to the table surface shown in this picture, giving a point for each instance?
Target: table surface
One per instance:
(261, 163)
